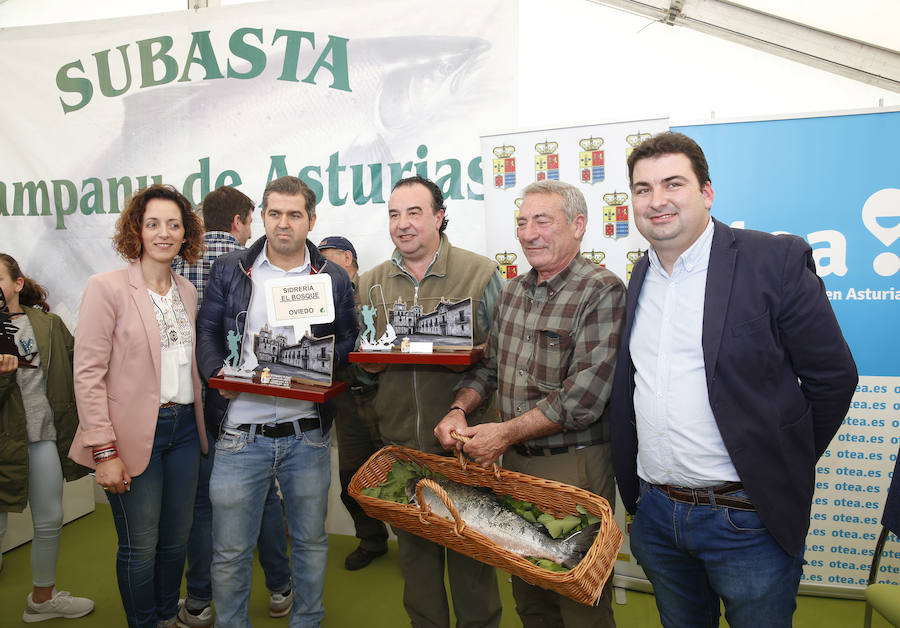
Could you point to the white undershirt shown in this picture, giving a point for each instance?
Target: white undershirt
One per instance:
(678, 439)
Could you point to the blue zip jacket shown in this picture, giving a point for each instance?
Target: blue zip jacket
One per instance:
(227, 294)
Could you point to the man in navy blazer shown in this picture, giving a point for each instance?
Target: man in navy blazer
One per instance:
(733, 377)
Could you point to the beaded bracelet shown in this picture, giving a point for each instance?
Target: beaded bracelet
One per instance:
(106, 453)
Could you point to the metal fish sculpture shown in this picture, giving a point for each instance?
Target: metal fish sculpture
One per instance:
(483, 512)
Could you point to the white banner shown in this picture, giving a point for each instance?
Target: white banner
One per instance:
(591, 157)
(349, 97)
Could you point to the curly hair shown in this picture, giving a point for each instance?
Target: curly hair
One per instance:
(32, 294)
(127, 239)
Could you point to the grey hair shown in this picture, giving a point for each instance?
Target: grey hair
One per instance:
(572, 198)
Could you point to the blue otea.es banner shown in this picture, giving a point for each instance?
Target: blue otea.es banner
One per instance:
(835, 181)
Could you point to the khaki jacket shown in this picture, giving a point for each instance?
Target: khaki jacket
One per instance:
(55, 346)
(412, 399)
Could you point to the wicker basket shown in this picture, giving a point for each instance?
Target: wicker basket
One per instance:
(583, 584)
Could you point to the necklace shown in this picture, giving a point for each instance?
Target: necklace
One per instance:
(171, 329)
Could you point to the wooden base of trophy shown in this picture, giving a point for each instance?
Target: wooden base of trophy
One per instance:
(461, 357)
(317, 394)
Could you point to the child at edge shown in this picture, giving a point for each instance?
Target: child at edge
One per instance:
(38, 419)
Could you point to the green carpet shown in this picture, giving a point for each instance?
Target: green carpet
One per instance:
(371, 597)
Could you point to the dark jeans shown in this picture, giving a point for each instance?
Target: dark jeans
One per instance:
(357, 437)
(153, 521)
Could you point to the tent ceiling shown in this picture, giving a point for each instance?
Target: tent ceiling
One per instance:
(779, 34)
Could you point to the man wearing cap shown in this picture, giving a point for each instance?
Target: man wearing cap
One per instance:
(357, 426)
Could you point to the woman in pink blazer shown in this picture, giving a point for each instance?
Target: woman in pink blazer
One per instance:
(139, 400)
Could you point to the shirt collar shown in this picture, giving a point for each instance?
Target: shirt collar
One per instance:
(397, 258)
(557, 282)
(220, 236)
(262, 259)
(696, 255)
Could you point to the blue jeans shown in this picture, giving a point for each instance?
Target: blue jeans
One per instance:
(696, 555)
(272, 543)
(242, 474)
(153, 521)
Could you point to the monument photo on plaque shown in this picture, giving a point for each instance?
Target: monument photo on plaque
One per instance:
(284, 349)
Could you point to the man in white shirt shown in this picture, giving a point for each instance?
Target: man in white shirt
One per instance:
(733, 376)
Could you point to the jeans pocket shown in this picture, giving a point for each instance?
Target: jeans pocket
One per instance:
(231, 441)
(315, 438)
(744, 521)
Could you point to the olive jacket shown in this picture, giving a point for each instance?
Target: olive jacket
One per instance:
(56, 347)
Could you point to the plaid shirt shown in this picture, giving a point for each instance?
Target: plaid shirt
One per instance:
(553, 345)
(215, 243)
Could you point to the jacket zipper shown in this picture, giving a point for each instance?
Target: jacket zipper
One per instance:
(416, 385)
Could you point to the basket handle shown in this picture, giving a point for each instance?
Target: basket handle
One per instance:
(460, 526)
(464, 462)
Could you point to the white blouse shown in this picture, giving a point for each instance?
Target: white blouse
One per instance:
(175, 340)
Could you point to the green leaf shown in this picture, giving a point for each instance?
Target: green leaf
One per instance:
(549, 565)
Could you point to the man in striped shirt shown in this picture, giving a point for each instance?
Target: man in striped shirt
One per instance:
(550, 356)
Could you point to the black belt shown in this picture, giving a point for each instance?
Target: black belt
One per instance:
(526, 450)
(700, 496)
(280, 429)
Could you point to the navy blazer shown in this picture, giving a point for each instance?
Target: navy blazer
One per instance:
(767, 323)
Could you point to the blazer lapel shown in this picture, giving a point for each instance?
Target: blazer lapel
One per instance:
(145, 309)
(719, 276)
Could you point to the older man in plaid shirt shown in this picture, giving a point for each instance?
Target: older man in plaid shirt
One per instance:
(550, 355)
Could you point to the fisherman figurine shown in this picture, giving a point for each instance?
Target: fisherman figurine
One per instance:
(367, 340)
(232, 359)
(368, 314)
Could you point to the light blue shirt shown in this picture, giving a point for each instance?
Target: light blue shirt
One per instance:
(678, 440)
(247, 407)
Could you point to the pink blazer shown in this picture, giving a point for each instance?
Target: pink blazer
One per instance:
(117, 367)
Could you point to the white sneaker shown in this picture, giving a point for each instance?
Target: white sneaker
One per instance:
(279, 604)
(61, 604)
(186, 619)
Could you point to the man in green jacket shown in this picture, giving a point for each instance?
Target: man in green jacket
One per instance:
(424, 269)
